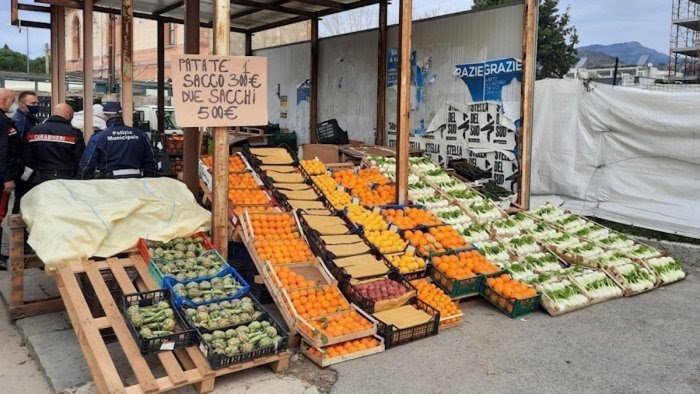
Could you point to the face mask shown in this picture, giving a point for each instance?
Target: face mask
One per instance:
(33, 109)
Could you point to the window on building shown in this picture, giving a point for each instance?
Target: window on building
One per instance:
(170, 34)
(75, 38)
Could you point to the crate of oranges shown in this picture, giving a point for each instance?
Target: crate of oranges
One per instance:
(299, 276)
(312, 167)
(244, 180)
(337, 327)
(512, 297)
(409, 217)
(274, 237)
(315, 302)
(435, 240)
(428, 292)
(461, 274)
(350, 350)
(248, 197)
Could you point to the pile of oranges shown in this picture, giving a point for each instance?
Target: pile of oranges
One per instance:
(235, 163)
(325, 182)
(318, 301)
(386, 241)
(435, 297)
(509, 288)
(363, 179)
(435, 240)
(464, 265)
(287, 251)
(370, 221)
(242, 180)
(338, 199)
(348, 347)
(255, 209)
(375, 196)
(407, 262)
(346, 178)
(274, 226)
(248, 197)
(410, 218)
(343, 323)
(372, 175)
(313, 167)
(291, 280)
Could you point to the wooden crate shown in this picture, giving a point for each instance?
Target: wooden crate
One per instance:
(18, 306)
(185, 366)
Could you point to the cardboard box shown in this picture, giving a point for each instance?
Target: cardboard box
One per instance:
(327, 153)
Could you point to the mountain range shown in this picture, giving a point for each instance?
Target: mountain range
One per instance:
(628, 53)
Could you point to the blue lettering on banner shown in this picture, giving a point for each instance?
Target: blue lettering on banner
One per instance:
(304, 91)
(392, 67)
(485, 80)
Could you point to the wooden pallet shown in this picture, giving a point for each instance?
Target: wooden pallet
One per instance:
(18, 307)
(184, 366)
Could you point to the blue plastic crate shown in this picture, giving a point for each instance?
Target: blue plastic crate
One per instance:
(178, 301)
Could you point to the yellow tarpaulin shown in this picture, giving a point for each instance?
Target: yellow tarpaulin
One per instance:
(69, 220)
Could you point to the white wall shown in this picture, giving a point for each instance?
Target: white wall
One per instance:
(443, 42)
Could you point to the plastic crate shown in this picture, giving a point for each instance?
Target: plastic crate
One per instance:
(169, 282)
(217, 361)
(144, 244)
(456, 288)
(395, 337)
(367, 304)
(511, 307)
(190, 323)
(158, 275)
(329, 132)
(182, 337)
(115, 290)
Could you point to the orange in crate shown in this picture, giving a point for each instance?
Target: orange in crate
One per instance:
(348, 347)
(510, 288)
(283, 251)
(248, 197)
(372, 175)
(242, 180)
(254, 209)
(343, 323)
(411, 218)
(274, 227)
(318, 301)
(372, 197)
(436, 240)
(235, 163)
(346, 178)
(435, 297)
(291, 280)
(464, 265)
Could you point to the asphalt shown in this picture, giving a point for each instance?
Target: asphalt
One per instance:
(647, 343)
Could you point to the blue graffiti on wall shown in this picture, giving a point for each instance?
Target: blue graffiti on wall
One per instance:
(304, 91)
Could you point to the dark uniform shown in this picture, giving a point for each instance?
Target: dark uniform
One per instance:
(119, 151)
(23, 122)
(11, 166)
(53, 150)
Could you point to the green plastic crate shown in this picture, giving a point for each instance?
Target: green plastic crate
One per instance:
(513, 307)
(456, 288)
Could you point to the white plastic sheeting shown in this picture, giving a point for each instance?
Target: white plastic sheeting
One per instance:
(623, 154)
(73, 220)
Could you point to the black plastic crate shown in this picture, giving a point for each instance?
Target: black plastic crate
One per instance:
(367, 304)
(256, 305)
(182, 336)
(240, 259)
(217, 361)
(329, 132)
(395, 337)
(114, 289)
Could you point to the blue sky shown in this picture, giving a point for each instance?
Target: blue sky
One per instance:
(597, 21)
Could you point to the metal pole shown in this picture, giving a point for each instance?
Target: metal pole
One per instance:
(192, 137)
(617, 63)
(313, 100)
(403, 105)
(61, 54)
(381, 74)
(161, 75)
(127, 89)
(54, 56)
(222, 35)
(87, 69)
(527, 98)
(27, 50)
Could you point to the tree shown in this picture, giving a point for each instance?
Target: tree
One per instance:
(556, 40)
(14, 61)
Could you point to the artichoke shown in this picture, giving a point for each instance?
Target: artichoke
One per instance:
(243, 329)
(247, 347)
(257, 314)
(231, 351)
(255, 326)
(265, 342)
(271, 331)
(218, 334)
(146, 332)
(225, 305)
(206, 285)
(242, 337)
(245, 317)
(168, 324)
(230, 333)
(247, 300)
(207, 337)
(265, 324)
(233, 342)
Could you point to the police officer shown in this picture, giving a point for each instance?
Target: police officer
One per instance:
(9, 143)
(119, 151)
(27, 108)
(54, 148)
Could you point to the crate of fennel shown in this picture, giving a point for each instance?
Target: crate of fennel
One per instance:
(205, 266)
(154, 321)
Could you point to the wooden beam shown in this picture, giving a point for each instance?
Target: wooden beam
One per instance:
(381, 74)
(274, 7)
(169, 8)
(222, 23)
(33, 24)
(61, 51)
(31, 7)
(14, 12)
(313, 100)
(127, 39)
(326, 3)
(403, 102)
(527, 98)
(191, 143)
(88, 129)
(54, 55)
(160, 60)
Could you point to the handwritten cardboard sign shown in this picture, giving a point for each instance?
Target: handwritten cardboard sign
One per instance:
(219, 91)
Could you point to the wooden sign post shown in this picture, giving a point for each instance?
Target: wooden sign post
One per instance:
(220, 92)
